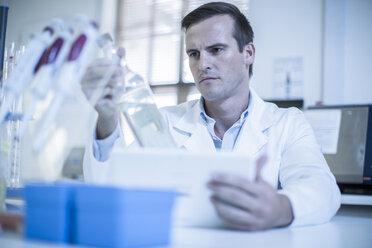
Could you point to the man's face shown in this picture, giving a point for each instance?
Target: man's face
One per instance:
(220, 71)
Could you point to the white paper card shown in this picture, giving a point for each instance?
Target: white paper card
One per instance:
(326, 125)
(182, 171)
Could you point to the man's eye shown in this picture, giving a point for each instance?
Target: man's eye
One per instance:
(216, 50)
(193, 54)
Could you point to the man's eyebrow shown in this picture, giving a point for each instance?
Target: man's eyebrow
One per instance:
(217, 45)
(191, 50)
(208, 47)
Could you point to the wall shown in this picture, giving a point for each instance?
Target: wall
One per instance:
(334, 55)
(340, 74)
(358, 52)
(287, 28)
(348, 61)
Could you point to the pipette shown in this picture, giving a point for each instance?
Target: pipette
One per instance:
(21, 77)
(72, 71)
(46, 71)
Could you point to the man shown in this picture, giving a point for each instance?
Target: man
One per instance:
(231, 116)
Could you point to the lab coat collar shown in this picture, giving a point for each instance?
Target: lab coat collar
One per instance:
(251, 138)
(192, 125)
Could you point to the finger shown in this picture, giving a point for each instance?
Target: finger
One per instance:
(113, 90)
(115, 87)
(235, 196)
(235, 181)
(95, 92)
(259, 165)
(107, 103)
(113, 94)
(95, 96)
(116, 82)
(102, 62)
(94, 75)
(107, 93)
(106, 107)
(121, 52)
(232, 215)
(118, 72)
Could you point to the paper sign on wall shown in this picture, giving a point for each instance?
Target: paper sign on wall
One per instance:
(288, 78)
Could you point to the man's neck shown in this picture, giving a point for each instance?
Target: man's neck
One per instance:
(226, 113)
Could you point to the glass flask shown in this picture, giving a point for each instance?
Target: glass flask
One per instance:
(138, 106)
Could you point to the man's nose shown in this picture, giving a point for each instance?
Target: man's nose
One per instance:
(204, 62)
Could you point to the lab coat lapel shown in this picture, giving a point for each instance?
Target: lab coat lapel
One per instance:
(252, 137)
(200, 140)
(250, 140)
(191, 133)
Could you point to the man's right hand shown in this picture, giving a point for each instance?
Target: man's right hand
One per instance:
(104, 94)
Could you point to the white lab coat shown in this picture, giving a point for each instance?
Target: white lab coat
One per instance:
(297, 168)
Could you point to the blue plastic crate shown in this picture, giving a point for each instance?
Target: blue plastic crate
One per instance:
(117, 217)
(49, 210)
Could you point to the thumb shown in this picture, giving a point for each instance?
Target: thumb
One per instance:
(259, 165)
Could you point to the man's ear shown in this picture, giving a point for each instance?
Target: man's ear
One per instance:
(249, 53)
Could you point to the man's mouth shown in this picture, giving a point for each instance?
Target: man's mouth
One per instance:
(206, 79)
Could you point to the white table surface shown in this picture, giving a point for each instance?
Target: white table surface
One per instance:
(351, 227)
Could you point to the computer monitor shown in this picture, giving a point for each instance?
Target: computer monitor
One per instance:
(287, 103)
(349, 127)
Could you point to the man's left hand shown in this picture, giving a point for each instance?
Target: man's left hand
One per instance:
(249, 205)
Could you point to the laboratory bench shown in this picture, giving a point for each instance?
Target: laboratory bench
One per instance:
(351, 227)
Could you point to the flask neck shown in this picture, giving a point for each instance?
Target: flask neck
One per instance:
(132, 79)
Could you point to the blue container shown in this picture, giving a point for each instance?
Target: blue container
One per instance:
(117, 217)
(49, 212)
